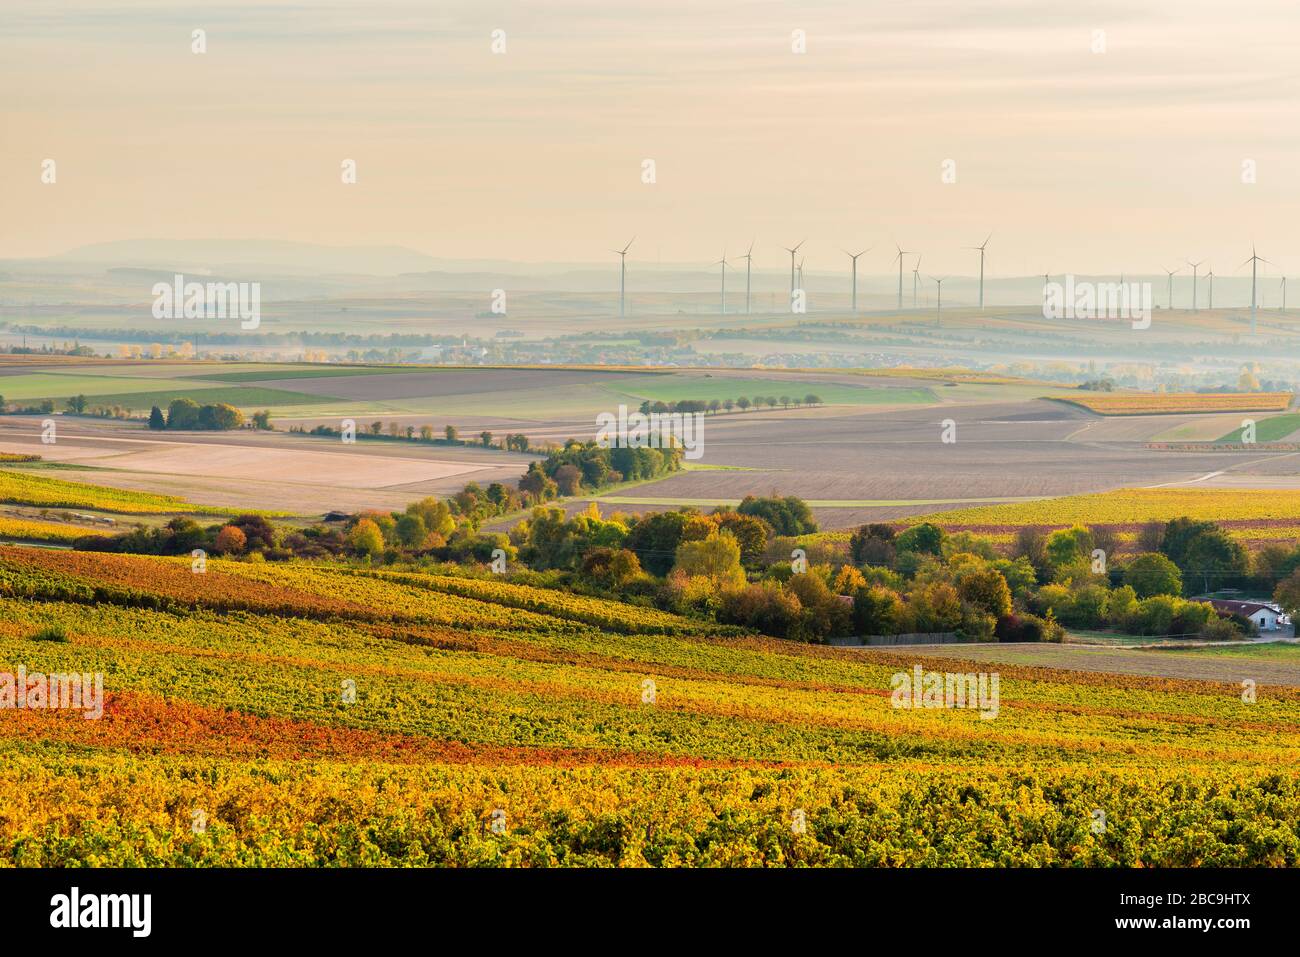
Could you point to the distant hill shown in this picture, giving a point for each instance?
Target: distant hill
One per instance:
(219, 255)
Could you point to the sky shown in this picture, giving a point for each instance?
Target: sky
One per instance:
(1075, 158)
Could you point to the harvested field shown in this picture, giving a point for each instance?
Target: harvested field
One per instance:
(255, 470)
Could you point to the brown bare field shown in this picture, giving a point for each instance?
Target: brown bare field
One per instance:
(1004, 450)
(263, 470)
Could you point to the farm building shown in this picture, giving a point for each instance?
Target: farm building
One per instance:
(1265, 616)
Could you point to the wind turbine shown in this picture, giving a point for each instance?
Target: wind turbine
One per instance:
(792, 252)
(748, 257)
(1170, 303)
(723, 263)
(938, 305)
(1283, 307)
(916, 278)
(854, 257)
(1210, 276)
(622, 275)
(801, 258)
(1254, 260)
(901, 253)
(1195, 266)
(980, 247)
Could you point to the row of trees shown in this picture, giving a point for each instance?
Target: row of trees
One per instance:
(450, 435)
(40, 407)
(743, 403)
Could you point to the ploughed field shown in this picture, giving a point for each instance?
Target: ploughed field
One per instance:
(856, 467)
(322, 716)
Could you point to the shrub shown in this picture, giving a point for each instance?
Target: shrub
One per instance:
(54, 632)
(231, 541)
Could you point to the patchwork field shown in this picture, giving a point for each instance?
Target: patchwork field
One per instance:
(875, 450)
(311, 716)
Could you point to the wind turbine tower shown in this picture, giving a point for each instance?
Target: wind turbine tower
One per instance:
(1169, 303)
(854, 257)
(723, 263)
(622, 276)
(748, 257)
(1254, 261)
(938, 304)
(901, 253)
(980, 247)
(916, 279)
(1195, 266)
(792, 252)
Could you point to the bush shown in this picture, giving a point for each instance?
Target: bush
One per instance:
(1026, 627)
(788, 516)
(54, 632)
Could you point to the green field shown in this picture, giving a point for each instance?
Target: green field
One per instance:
(59, 386)
(1264, 651)
(1273, 429)
(675, 388)
(249, 397)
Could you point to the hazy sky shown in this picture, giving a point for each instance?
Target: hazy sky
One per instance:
(1127, 159)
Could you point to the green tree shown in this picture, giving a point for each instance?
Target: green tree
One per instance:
(987, 590)
(654, 538)
(1068, 545)
(751, 534)
(411, 530)
(787, 516)
(925, 538)
(220, 417)
(183, 413)
(77, 404)
(435, 515)
(156, 419)
(877, 611)
(716, 558)
(366, 538)
(1153, 574)
(1287, 594)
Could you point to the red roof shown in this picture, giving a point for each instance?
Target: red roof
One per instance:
(1246, 608)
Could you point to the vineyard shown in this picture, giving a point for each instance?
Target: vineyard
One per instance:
(30, 488)
(1171, 403)
(37, 531)
(1252, 516)
(318, 716)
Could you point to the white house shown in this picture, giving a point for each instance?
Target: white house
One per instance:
(1264, 616)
